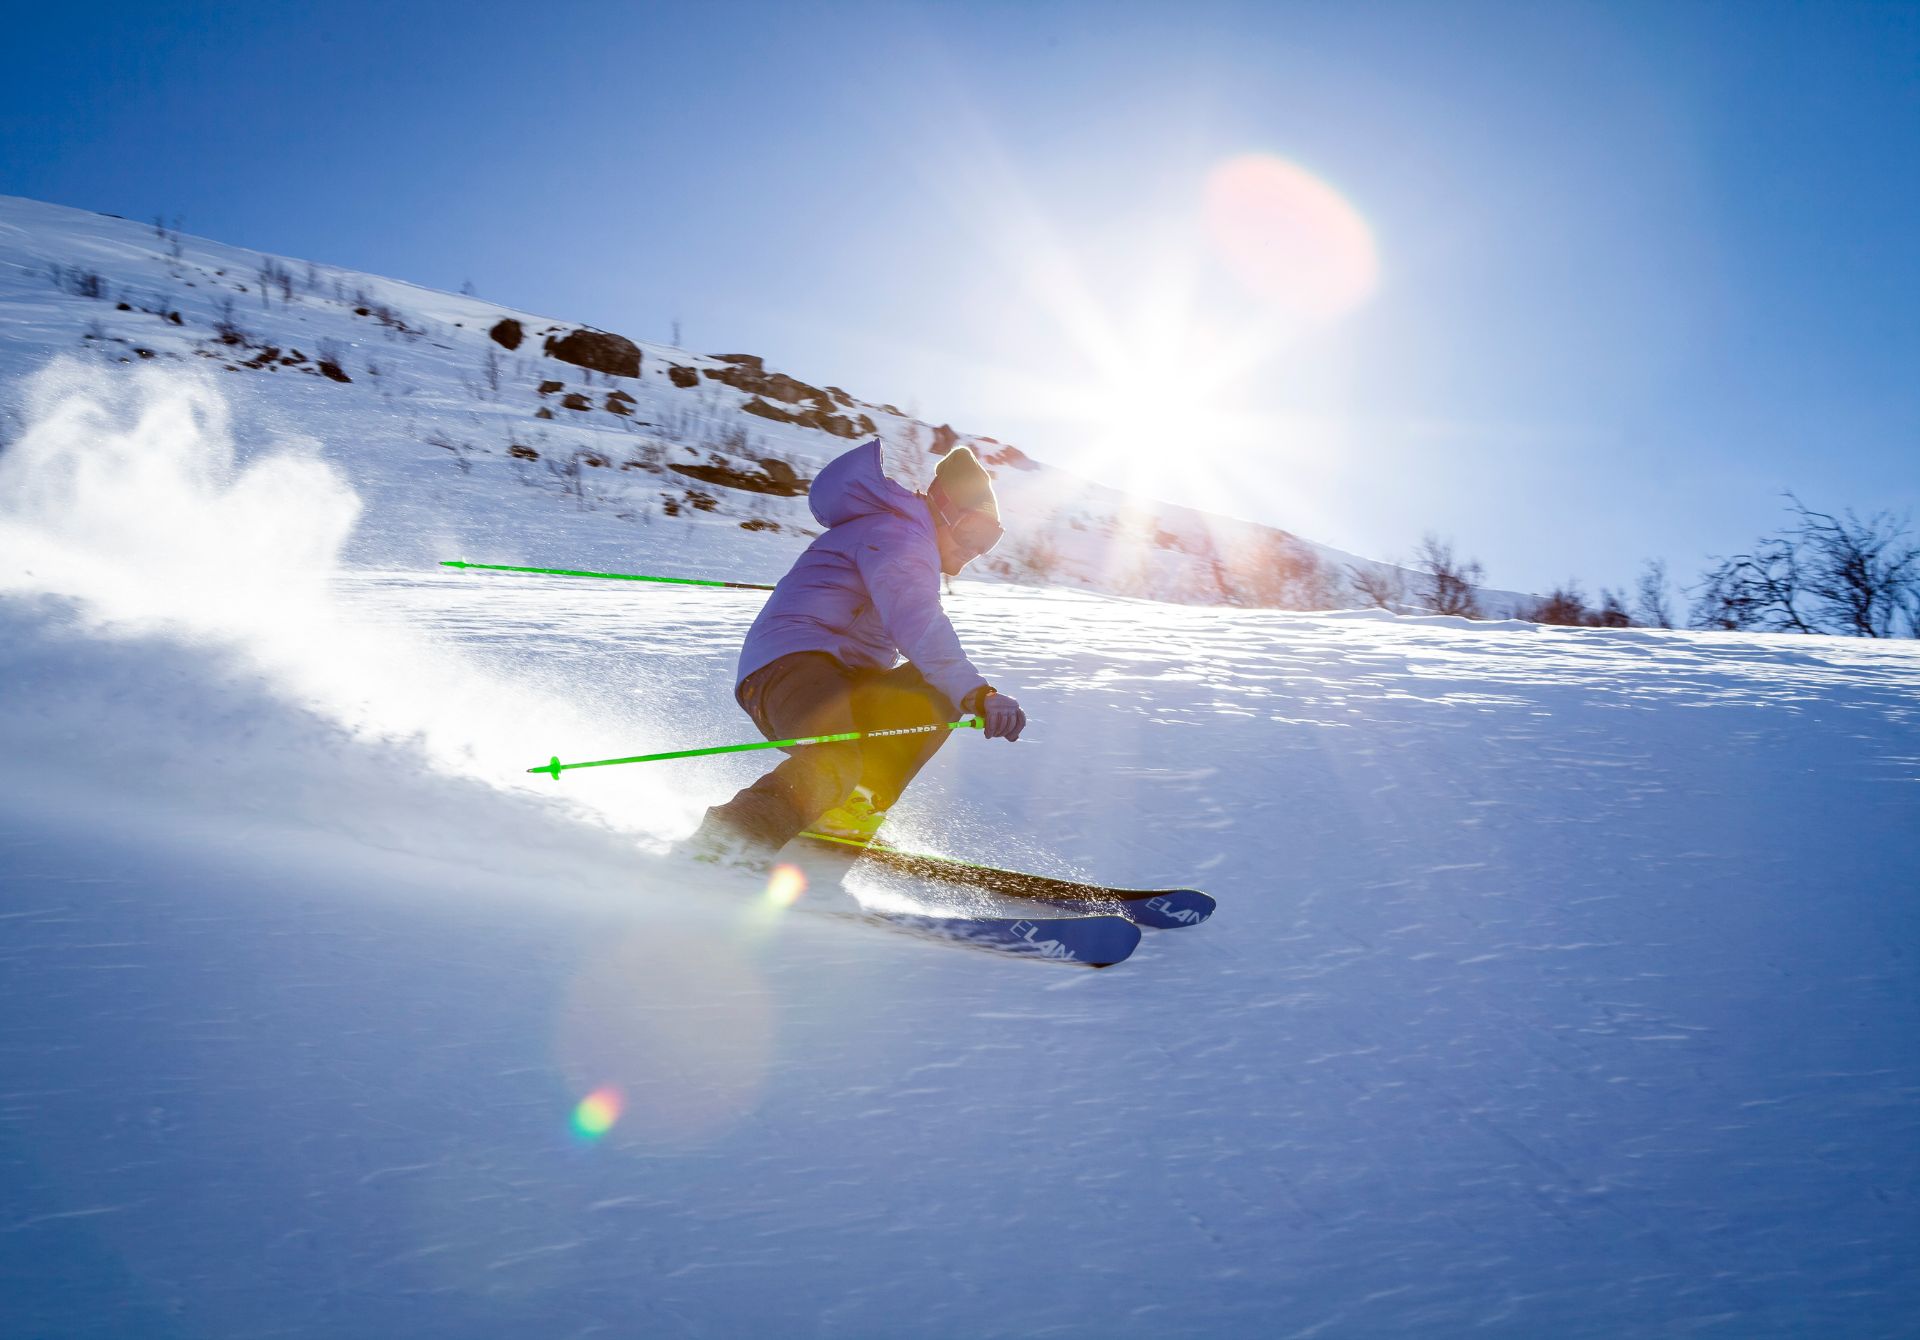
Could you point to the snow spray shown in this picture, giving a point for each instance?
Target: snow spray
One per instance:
(135, 497)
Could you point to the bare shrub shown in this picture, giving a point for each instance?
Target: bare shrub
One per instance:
(1820, 573)
(1382, 587)
(1650, 605)
(571, 474)
(273, 275)
(1612, 611)
(460, 450)
(1449, 585)
(80, 282)
(226, 323)
(1564, 605)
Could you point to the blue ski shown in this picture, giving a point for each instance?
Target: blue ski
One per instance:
(1097, 941)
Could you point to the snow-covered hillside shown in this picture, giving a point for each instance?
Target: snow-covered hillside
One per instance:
(501, 436)
(1562, 982)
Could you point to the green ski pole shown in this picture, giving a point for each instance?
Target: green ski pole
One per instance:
(554, 767)
(610, 576)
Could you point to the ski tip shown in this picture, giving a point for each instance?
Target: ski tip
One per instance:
(452, 563)
(1172, 909)
(1110, 943)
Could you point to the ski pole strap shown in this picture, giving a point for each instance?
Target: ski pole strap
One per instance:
(554, 767)
(609, 576)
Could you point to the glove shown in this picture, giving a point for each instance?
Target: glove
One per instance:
(1003, 716)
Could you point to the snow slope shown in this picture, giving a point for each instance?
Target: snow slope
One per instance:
(464, 448)
(1562, 984)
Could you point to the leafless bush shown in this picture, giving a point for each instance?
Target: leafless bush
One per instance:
(1650, 607)
(572, 476)
(1449, 585)
(1383, 587)
(80, 282)
(226, 323)
(1612, 611)
(460, 450)
(490, 368)
(1564, 605)
(1819, 574)
(1039, 555)
(273, 275)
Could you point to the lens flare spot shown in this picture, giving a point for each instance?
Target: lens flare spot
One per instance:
(1290, 237)
(597, 1113)
(785, 884)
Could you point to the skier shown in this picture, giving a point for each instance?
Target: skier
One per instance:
(823, 657)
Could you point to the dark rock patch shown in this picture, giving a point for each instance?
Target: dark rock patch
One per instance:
(684, 378)
(824, 420)
(575, 400)
(600, 350)
(548, 388)
(521, 453)
(507, 333)
(747, 481)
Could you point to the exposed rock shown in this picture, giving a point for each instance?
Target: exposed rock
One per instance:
(507, 333)
(543, 413)
(600, 350)
(759, 523)
(944, 440)
(816, 417)
(1010, 456)
(328, 368)
(575, 400)
(521, 453)
(548, 388)
(684, 378)
(754, 379)
(619, 402)
(783, 484)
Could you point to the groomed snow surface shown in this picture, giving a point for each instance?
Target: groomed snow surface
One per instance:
(1563, 982)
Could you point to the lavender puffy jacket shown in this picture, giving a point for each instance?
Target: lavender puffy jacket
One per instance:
(867, 591)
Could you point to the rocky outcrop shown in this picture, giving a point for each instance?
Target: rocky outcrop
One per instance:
(599, 350)
(507, 333)
(812, 417)
(774, 477)
(812, 406)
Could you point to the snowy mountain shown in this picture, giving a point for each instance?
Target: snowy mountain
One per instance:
(1562, 981)
(604, 450)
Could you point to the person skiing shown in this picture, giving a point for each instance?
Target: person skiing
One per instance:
(824, 655)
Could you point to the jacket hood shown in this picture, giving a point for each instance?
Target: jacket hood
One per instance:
(854, 485)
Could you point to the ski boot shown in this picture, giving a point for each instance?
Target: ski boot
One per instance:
(853, 820)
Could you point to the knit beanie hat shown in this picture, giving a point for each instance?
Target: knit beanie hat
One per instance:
(964, 480)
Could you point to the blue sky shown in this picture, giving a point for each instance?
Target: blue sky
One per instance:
(1641, 266)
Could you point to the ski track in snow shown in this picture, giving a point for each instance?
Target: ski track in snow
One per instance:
(1562, 984)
